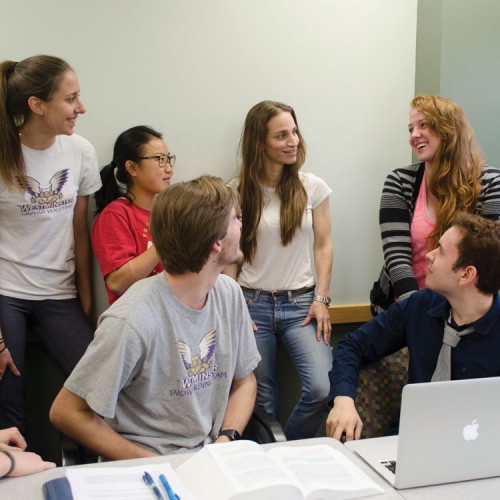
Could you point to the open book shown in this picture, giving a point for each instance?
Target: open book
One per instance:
(243, 470)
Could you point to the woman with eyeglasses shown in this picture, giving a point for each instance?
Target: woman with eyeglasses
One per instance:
(142, 167)
(47, 174)
(282, 208)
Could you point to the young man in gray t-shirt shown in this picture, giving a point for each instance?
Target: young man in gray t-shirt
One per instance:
(171, 366)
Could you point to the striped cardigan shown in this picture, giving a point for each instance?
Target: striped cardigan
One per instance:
(397, 205)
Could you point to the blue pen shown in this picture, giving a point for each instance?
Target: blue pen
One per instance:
(168, 488)
(150, 482)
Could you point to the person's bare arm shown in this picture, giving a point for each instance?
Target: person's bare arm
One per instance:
(74, 417)
(82, 254)
(21, 463)
(323, 258)
(240, 405)
(135, 269)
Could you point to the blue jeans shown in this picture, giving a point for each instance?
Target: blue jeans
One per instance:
(278, 320)
(60, 324)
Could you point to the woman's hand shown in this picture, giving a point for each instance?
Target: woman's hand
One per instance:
(12, 439)
(319, 311)
(6, 362)
(24, 463)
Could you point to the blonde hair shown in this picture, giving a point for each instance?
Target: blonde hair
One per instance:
(290, 191)
(457, 167)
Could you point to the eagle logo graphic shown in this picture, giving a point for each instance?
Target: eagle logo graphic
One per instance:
(45, 195)
(201, 362)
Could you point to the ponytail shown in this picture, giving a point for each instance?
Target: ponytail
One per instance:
(116, 181)
(11, 159)
(110, 189)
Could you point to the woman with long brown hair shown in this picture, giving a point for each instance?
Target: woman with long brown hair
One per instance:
(419, 202)
(46, 176)
(281, 207)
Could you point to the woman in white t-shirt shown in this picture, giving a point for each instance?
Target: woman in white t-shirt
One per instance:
(281, 208)
(142, 167)
(46, 176)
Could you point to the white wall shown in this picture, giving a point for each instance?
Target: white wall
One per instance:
(470, 67)
(193, 68)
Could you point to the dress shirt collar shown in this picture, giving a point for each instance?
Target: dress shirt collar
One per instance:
(481, 326)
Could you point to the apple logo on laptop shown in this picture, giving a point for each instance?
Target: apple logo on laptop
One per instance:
(470, 431)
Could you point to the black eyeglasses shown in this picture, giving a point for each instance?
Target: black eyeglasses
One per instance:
(161, 159)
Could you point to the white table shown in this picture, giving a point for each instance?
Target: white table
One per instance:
(30, 487)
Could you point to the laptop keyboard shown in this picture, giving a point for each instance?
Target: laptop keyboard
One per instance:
(390, 464)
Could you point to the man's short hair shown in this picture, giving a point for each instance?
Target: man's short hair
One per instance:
(480, 247)
(187, 219)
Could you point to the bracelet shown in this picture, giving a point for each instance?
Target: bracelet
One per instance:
(3, 348)
(324, 300)
(12, 461)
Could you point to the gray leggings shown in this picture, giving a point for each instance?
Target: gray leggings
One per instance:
(61, 325)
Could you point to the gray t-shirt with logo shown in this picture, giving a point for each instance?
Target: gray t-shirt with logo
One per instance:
(160, 372)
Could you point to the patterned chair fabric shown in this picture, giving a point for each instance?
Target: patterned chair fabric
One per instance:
(379, 393)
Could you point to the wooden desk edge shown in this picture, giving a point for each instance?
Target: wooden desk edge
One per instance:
(354, 313)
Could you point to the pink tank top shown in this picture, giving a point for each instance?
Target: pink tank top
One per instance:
(421, 226)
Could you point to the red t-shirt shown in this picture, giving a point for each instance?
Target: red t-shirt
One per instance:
(119, 234)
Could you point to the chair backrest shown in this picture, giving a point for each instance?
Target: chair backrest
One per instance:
(262, 428)
(379, 393)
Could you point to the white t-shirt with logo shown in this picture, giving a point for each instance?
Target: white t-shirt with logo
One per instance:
(37, 258)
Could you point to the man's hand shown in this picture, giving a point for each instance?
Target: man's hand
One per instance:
(343, 418)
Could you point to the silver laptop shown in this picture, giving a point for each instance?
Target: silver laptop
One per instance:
(449, 431)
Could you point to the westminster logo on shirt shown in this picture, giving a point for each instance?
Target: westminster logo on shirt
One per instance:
(45, 198)
(200, 366)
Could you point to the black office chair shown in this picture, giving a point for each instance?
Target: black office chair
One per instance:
(262, 428)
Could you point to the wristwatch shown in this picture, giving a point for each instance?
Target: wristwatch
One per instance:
(325, 300)
(232, 434)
